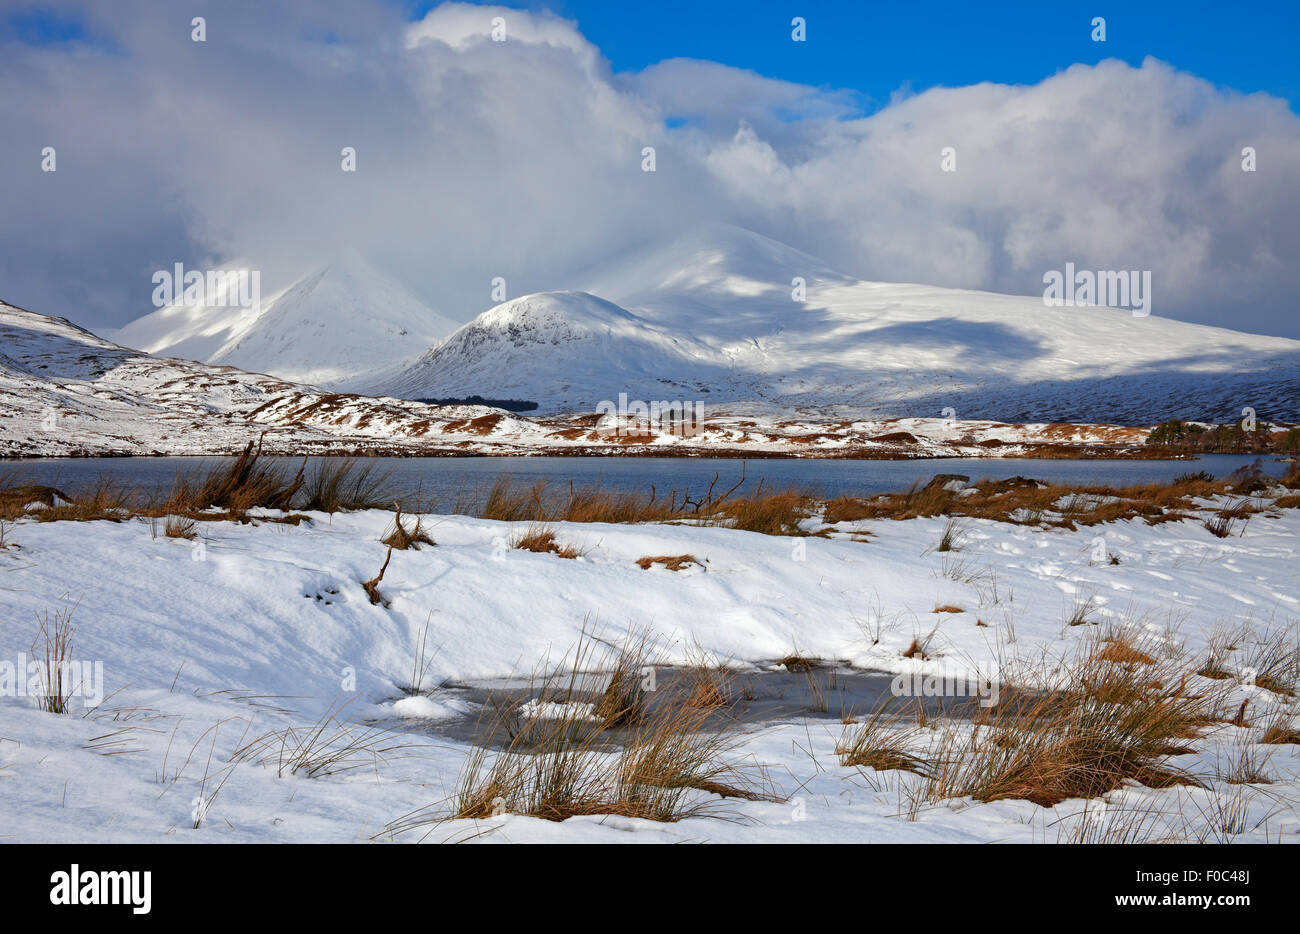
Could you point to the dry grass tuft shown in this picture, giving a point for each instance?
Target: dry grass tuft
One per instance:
(1268, 658)
(542, 541)
(107, 499)
(951, 538)
(566, 774)
(1247, 765)
(509, 502)
(52, 653)
(664, 763)
(1281, 731)
(1082, 610)
(340, 483)
(1109, 725)
(623, 702)
(774, 514)
(330, 746)
(1103, 724)
(671, 562)
(873, 746)
(247, 482)
(14, 500)
(709, 686)
(180, 527)
(1120, 649)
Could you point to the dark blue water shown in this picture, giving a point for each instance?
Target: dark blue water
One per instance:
(461, 482)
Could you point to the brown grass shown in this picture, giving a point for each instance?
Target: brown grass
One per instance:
(339, 483)
(1030, 502)
(623, 702)
(1120, 649)
(245, 483)
(1106, 725)
(948, 608)
(509, 502)
(708, 686)
(1270, 655)
(671, 562)
(1281, 731)
(15, 499)
(873, 746)
(542, 541)
(771, 513)
(563, 769)
(846, 509)
(1107, 728)
(650, 777)
(180, 527)
(233, 488)
(774, 514)
(1082, 610)
(227, 491)
(106, 499)
(1239, 719)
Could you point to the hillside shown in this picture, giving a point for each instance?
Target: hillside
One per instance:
(711, 318)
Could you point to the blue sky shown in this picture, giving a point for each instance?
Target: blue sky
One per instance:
(877, 48)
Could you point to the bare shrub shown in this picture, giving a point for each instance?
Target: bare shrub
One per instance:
(402, 539)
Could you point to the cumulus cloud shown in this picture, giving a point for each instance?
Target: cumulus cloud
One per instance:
(522, 159)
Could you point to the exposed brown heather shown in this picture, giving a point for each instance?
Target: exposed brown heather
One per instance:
(542, 541)
(671, 562)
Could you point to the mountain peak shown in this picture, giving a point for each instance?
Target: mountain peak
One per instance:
(334, 326)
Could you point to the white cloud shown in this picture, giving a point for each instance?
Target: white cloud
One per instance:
(522, 159)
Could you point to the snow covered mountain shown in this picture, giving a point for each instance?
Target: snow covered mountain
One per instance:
(65, 391)
(714, 317)
(345, 321)
(562, 346)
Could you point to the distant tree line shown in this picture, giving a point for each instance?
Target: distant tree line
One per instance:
(1225, 439)
(510, 405)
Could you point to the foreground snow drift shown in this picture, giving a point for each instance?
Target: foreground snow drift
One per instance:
(209, 645)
